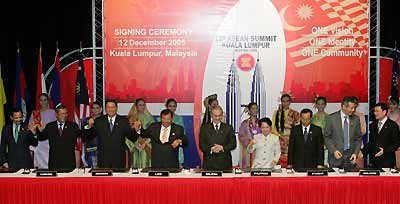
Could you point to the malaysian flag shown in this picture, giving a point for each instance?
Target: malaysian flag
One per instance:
(82, 109)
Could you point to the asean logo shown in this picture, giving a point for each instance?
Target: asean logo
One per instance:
(245, 62)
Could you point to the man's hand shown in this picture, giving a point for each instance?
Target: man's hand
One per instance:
(338, 154)
(273, 163)
(320, 167)
(289, 167)
(220, 148)
(380, 153)
(32, 128)
(353, 158)
(176, 143)
(90, 122)
(5, 165)
(217, 148)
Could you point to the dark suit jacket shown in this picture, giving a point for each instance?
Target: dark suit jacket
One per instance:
(163, 155)
(388, 138)
(62, 147)
(111, 143)
(307, 154)
(209, 137)
(16, 154)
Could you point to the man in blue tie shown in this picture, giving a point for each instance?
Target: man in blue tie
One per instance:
(343, 136)
(15, 141)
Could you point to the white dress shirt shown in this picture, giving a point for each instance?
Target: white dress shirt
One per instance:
(112, 119)
(383, 121)
(62, 125)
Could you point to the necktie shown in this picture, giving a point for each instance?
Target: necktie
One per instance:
(379, 126)
(305, 135)
(217, 128)
(60, 129)
(111, 125)
(16, 133)
(346, 144)
(164, 136)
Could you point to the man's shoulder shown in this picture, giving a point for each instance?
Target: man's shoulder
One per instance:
(177, 126)
(72, 124)
(334, 114)
(392, 123)
(52, 123)
(100, 118)
(154, 125)
(316, 127)
(226, 125)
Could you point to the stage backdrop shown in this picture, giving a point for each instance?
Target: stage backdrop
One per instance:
(247, 50)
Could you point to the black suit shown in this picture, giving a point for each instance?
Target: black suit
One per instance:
(307, 154)
(111, 145)
(163, 155)
(225, 137)
(16, 154)
(388, 139)
(62, 146)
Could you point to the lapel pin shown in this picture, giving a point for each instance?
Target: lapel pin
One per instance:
(173, 133)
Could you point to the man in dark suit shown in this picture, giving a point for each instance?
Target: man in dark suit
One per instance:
(111, 130)
(217, 140)
(384, 139)
(343, 136)
(306, 146)
(166, 138)
(62, 136)
(15, 141)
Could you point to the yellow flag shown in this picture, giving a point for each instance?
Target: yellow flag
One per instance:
(3, 101)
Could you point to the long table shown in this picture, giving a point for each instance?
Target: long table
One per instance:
(78, 187)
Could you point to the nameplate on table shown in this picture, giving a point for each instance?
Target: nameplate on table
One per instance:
(135, 171)
(102, 172)
(260, 173)
(159, 173)
(211, 173)
(45, 173)
(317, 173)
(369, 173)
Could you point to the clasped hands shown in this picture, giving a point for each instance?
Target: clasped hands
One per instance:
(216, 148)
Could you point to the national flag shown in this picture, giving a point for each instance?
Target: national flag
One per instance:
(40, 82)
(21, 94)
(55, 88)
(82, 108)
(3, 101)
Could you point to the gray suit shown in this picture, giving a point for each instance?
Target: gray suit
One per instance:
(334, 139)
